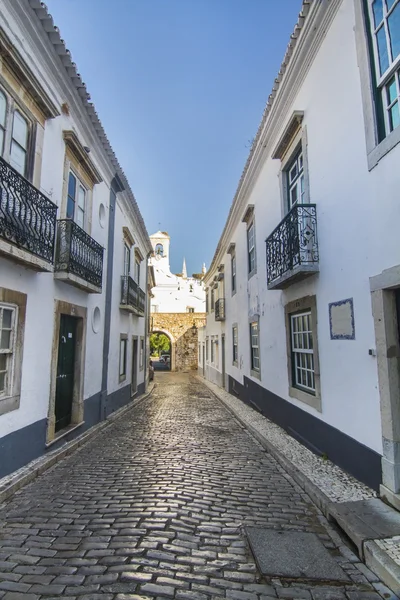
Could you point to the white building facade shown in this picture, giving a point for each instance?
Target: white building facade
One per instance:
(73, 250)
(309, 256)
(173, 293)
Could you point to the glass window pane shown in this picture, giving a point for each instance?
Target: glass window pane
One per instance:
(80, 218)
(72, 186)
(394, 116)
(1, 141)
(81, 197)
(377, 9)
(3, 109)
(382, 50)
(390, 3)
(391, 91)
(394, 31)
(293, 196)
(293, 172)
(7, 318)
(5, 340)
(3, 362)
(17, 158)
(2, 382)
(20, 130)
(70, 208)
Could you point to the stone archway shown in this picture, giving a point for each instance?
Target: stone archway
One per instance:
(173, 344)
(182, 330)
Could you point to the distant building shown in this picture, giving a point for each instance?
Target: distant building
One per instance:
(174, 293)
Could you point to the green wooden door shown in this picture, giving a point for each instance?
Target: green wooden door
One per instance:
(65, 372)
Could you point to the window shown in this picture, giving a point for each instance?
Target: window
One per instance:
(251, 250)
(137, 271)
(159, 250)
(235, 344)
(212, 299)
(295, 180)
(233, 273)
(16, 152)
(384, 17)
(76, 200)
(255, 351)
(212, 350)
(199, 353)
(302, 351)
(154, 308)
(207, 302)
(123, 346)
(216, 351)
(7, 334)
(3, 115)
(127, 260)
(141, 359)
(190, 309)
(206, 349)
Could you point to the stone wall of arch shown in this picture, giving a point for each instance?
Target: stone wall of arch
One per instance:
(182, 329)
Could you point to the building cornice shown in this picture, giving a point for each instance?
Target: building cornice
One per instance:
(312, 25)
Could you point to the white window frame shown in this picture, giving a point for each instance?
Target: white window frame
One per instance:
(123, 356)
(255, 347)
(251, 248)
(8, 352)
(393, 69)
(212, 351)
(77, 208)
(190, 309)
(8, 133)
(212, 299)
(233, 273)
(207, 355)
(296, 183)
(137, 271)
(235, 346)
(302, 349)
(127, 259)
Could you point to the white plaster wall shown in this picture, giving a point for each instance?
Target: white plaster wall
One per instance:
(358, 212)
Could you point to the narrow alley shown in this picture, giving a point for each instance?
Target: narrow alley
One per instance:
(158, 505)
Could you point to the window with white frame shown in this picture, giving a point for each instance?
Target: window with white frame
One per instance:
(12, 120)
(251, 248)
(295, 180)
(141, 361)
(190, 309)
(254, 346)
(302, 349)
(212, 299)
(235, 344)
(216, 351)
(76, 200)
(212, 350)
(233, 273)
(127, 259)
(7, 335)
(384, 18)
(207, 302)
(123, 351)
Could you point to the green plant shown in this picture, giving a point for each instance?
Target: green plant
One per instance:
(159, 342)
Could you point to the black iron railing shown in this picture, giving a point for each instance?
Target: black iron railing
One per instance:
(293, 243)
(220, 309)
(27, 217)
(78, 253)
(132, 295)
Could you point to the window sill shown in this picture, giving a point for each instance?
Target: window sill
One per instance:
(234, 363)
(8, 404)
(122, 378)
(252, 273)
(233, 293)
(255, 374)
(383, 148)
(310, 399)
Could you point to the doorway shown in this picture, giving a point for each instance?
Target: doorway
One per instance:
(65, 378)
(223, 359)
(134, 365)
(204, 360)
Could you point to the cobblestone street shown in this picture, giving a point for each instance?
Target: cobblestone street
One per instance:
(155, 506)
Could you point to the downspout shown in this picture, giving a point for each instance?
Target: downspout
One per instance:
(116, 186)
(146, 321)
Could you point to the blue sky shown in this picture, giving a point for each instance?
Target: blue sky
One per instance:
(180, 86)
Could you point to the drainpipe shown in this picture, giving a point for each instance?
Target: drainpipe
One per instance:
(116, 186)
(146, 320)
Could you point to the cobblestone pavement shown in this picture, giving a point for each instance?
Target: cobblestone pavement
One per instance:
(155, 507)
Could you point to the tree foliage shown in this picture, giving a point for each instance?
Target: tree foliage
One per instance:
(159, 342)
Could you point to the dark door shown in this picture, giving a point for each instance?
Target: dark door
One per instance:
(134, 366)
(223, 360)
(397, 294)
(65, 372)
(204, 360)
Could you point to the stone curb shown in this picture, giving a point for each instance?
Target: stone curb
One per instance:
(39, 466)
(374, 557)
(383, 565)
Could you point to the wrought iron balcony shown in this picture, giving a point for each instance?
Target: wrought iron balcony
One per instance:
(220, 309)
(292, 248)
(27, 218)
(133, 297)
(78, 255)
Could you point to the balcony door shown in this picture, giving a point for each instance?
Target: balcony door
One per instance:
(65, 372)
(301, 230)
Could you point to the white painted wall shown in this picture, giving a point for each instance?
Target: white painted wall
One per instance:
(358, 212)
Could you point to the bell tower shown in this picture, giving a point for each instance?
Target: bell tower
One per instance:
(160, 242)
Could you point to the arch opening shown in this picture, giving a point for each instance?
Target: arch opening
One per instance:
(162, 350)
